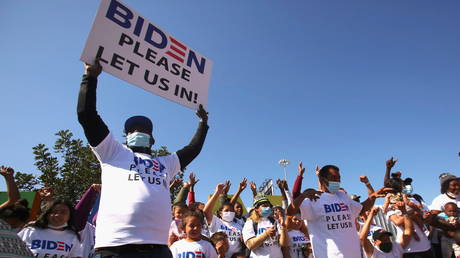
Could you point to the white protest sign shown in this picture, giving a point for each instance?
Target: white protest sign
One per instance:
(134, 49)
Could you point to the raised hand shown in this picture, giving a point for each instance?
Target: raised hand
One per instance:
(97, 187)
(375, 210)
(253, 187)
(300, 169)
(391, 162)
(202, 114)
(6, 171)
(279, 182)
(220, 188)
(317, 169)
(227, 186)
(93, 70)
(192, 179)
(364, 179)
(381, 192)
(243, 184)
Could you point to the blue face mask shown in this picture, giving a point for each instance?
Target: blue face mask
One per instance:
(266, 211)
(333, 187)
(408, 189)
(137, 139)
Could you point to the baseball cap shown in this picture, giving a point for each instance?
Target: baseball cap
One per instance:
(379, 233)
(136, 122)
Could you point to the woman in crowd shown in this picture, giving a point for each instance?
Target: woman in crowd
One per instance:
(53, 234)
(262, 234)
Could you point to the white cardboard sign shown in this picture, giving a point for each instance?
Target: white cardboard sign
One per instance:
(137, 51)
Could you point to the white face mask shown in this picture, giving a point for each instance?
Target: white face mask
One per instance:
(228, 215)
(58, 227)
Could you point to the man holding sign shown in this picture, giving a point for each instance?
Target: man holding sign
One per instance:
(135, 208)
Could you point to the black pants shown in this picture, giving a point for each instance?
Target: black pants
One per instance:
(134, 251)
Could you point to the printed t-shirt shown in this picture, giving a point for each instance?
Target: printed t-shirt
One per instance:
(396, 252)
(135, 200)
(10, 243)
(48, 242)
(414, 246)
(441, 200)
(270, 247)
(232, 230)
(297, 240)
(331, 225)
(186, 249)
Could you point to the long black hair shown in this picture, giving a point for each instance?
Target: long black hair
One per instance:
(42, 221)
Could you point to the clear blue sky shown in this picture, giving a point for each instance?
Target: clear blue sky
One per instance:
(349, 83)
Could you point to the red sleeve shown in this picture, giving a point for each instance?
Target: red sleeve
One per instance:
(297, 187)
(191, 198)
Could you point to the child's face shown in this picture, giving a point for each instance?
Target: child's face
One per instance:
(222, 246)
(179, 212)
(193, 228)
(451, 210)
(238, 209)
(294, 222)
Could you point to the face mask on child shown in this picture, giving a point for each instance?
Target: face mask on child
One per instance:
(228, 215)
(266, 211)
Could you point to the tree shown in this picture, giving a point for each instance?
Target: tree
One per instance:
(69, 169)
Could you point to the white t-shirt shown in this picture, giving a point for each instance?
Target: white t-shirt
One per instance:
(232, 230)
(270, 247)
(297, 239)
(414, 246)
(331, 225)
(396, 252)
(135, 206)
(199, 249)
(88, 239)
(49, 242)
(441, 200)
(174, 229)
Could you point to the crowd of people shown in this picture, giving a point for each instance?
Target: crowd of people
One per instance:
(143, 221)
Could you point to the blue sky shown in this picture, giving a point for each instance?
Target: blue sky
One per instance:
(349, 83)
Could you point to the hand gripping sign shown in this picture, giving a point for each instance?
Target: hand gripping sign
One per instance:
(135, 50)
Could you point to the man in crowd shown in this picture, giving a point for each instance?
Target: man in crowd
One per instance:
(135, 206)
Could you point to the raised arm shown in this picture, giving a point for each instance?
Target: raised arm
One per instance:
(85, 205)
(12, 188)
(369, 203)
(368, 248)
(298, 181)
(389, 164)
(365, 181)
(253, 187)
(309, 193)
(189, 152)
(241, 187)
(191, 194)
(93, 126)
(210, 203)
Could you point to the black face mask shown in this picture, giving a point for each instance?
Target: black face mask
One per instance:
(386, 247)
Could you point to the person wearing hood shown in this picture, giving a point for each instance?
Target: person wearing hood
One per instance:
(331, 215)
(134, 213)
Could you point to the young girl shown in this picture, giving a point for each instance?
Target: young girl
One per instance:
(53, 234)
(192, 245)
(298, 237)
(175, 230)
(262, 234)
(450, 217)
(224, 222)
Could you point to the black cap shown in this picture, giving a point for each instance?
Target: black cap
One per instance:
(379, 233)
(136, 122)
